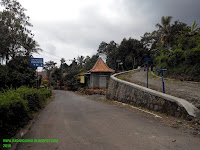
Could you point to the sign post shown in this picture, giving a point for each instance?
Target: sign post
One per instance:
(162, 77)
(36, 62)
(148, 59)
(118, 61)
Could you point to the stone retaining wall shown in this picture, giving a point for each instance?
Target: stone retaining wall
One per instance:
(137, 95)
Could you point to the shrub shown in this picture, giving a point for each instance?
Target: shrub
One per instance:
(16, 107)
(13, 112)
(36, 98)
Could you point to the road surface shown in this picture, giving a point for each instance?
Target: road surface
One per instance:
(186, 90)
(82, 124)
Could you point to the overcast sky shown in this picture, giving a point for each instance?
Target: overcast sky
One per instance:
(68, 28)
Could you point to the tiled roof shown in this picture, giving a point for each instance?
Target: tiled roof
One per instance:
(100, 66)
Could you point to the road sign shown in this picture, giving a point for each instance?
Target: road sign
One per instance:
(165, 69)
(148, 59)
(36, 62)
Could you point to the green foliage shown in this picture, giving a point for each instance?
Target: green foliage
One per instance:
(17, 73)
(71, 80)
(193, 27)
(175, 46)
(180, 52)
(164, 29)
(89, 62)
(4, 77)
(57, 74)
(48, 67)
(183, 59)
(16, 107)
(131, 52)
(15, 34)
(13, 112)
(110, 50)
(20, 72)
(36, 98)
(16, 46)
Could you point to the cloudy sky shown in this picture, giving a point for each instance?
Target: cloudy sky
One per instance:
(71, 28)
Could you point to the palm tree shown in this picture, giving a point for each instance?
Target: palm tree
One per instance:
(164, 28)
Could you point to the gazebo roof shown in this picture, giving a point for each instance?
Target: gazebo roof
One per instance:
(100, 66)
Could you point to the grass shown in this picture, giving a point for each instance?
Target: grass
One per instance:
(159, 77)
(49, 100)
(126, 76)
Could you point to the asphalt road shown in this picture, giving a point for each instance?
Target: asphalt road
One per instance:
(82, 124)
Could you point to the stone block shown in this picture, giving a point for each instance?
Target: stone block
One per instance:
(160, 108)
(160, 102)
(177, 114)
(151, 106)
(150, 100)
(155, 107)
(133, 94)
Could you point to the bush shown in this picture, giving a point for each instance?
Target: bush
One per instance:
(16, 107)
(13, 112)
(4, 79)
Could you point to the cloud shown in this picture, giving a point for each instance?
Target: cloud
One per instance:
(70, 28)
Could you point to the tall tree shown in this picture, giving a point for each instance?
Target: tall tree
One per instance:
(20, 72)
(131, 52)
(110, 51)
(149, 41)
(48, 67)
(164, 29)
(62, 64)
(81, 61)
(90, 61)
(16, 37)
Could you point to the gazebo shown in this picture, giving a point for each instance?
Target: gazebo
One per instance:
(99, 75)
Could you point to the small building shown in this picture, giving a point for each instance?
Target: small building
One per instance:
(43, 74)
(99, 75)
(81, 77)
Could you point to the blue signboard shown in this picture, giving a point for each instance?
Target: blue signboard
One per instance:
(36, 62)
(148, 59)
(161, 69)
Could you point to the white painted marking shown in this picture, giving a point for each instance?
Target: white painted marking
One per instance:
(157, 116)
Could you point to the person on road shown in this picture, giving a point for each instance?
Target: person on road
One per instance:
(145, 67)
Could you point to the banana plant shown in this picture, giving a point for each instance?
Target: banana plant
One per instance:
(193, 28)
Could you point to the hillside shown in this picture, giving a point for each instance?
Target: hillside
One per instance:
(185, 90)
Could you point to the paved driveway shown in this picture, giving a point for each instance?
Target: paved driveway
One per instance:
(82, 124)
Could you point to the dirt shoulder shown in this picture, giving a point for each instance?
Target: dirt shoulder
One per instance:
(184, 90)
